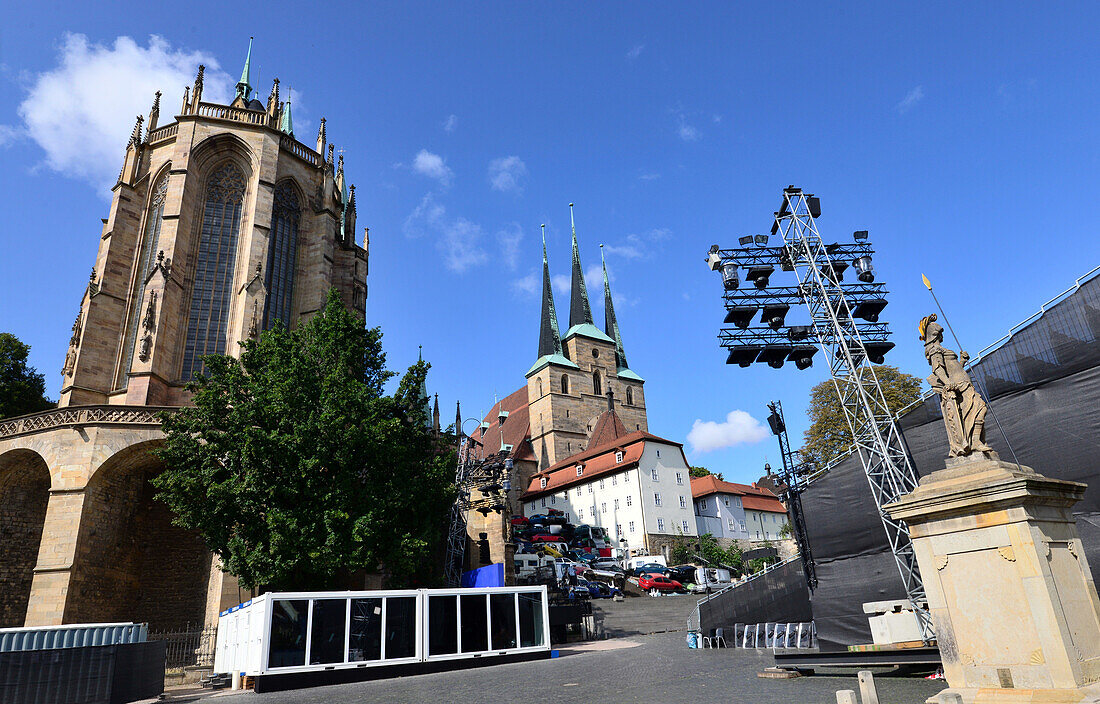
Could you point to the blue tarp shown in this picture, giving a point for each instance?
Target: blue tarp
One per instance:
(488, 576)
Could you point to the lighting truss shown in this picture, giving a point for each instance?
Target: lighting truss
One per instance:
(792, 478)
(848, 345)
(482, 486)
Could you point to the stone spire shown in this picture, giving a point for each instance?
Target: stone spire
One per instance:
(351, 200)
(580, 311)
(244, 86)
(196, 92)
(322, 137)
(458, 419)
(435, 416)
(286, 123)
(424, 391)
(186, 107)
(154, 113)
(610, 324)
(273, 101)
(135, 136)
(549, 335)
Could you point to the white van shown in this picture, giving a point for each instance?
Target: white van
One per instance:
(645, 560)
(527, 564)
(711, 579)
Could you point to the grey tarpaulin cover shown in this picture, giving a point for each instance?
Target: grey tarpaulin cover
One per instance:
(1044, 384)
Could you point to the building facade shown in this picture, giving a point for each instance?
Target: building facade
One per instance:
(221, 223)
(733, 511)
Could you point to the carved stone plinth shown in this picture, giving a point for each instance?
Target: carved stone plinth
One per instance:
(1011, 595)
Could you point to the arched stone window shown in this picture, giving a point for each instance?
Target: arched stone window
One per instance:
(597, 387)
(540, 388)
(282, 255)
(214, 266)
(565, 383)
(146, 256)
(630, 395)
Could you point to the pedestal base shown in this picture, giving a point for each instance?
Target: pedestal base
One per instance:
(1085, 695)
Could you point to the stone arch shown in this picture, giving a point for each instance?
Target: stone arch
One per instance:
(565, 383)
(24, 496)
(131, 562)
(597, 385)
(630, 395)
(540, 388)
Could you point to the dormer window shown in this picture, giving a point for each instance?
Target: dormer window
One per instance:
(580, 470)
(619, 456)
(542, 483)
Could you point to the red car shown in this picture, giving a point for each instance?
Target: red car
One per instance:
(654, 583)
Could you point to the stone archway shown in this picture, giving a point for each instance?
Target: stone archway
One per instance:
(24, 495)
(131, 562)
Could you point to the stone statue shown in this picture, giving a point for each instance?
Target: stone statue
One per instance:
(963, 409)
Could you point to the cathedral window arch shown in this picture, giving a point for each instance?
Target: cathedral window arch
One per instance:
(207, 324)
(597, 386)
(630, 395)
(146, 255)
(540, 388)
(282, 255)
(565, 383)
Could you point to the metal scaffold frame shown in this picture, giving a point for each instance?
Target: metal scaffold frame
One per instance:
(877, 438)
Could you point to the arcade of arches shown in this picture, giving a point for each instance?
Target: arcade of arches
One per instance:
(85, 541)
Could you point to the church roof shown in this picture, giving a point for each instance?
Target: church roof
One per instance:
(517, 427)
(549, 336)
(580, 311)
(608, 427)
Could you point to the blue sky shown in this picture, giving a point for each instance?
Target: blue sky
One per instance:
(962, 137)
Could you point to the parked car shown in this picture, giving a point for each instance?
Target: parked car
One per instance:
(602, 590)
(710, 579)
(684, 574)
(651, 568)
(607, 564)
(639, 560)
(658, 583)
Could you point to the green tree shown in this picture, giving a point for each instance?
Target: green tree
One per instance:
(828, 436)
(22, 388)
(296, 469)
(702, 472)
(785, 531)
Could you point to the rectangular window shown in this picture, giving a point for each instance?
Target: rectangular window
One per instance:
(658, 453)
(616, 504)
(631, 526)
(686, 529)
(366, 630)
(702, 503)
(580, 513)
(544, 502)
(618, 529)
(603, 507)
(400, 627)
(618, 457)
(327, 631)
(553, 499)
(566, 516)
(679, 477)
(578, 491)
(731, 524)
(614, 479)
(530, 621)
(683, 502)
(727, 500)
(542, 483)
(475, 626)
(601, 483)
(589, 488)
(656, 499)
(629, 500)
(660, 525)
(442, 625)
(580, 470)
(653, 473)
(502, 613)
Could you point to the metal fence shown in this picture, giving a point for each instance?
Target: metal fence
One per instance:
(188, 648)
(775, 635)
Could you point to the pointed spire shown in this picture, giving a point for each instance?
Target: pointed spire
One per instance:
(244, 86)
(196, 92)
(186, 107)
(286, 124)
(611, 325)
(435, 416)
(458, 419)
(549, 334)
(273, 100)
(331, 147)
(322, 137)
(135, 136)
(424, 392)
(580, 311)
(154, 113)
(351, 200)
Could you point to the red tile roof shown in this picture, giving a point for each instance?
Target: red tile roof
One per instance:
(517, 430)
(753, 498)
(608, 428)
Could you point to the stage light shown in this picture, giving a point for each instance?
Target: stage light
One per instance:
(746, 240)
(803, 357)
(798, 333)
(761, 240)
(834, 271)
(740, 316)
(743, 356)
(876, 351)
(773, 315)
(863, 266)
(714, 259)
(729, 276)
(814, 206)
(774, 355)
(785, 262)
(777, 426)
(759, 275)
(869, 310)
(859, 235)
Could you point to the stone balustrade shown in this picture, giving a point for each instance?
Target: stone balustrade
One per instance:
(73, 416)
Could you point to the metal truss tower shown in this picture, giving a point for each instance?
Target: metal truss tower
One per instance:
(456, 536)
(793, 478)
(877, 438)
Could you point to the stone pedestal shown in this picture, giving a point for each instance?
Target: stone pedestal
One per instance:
(1011, 595)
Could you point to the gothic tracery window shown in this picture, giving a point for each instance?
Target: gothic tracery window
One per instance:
(282, 255)
(630, 396)
(146, 256)
(564, 383)
(597, 387)
(217, 256)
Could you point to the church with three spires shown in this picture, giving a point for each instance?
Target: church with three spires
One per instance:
(581, 404)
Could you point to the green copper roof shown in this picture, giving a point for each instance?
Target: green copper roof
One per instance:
(587, 330)
(286, 124)
(624, 373)
(244, 86)
(580, 311)
(546, 359)
(611, 324)
(549, 334)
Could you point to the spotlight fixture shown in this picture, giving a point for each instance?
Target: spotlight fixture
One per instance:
(761, 240)
(759, 275)
(774, 315)
(813, 204)
(798, 333)
(740, 316)
(744, 241)
(774, 355)
(870, 310)
(876, 351)
(859, 235)
(863, 266)
(803, 357)
(488, 488)
(713, 260)
(729, 276)
(744, 356)
(834, 271)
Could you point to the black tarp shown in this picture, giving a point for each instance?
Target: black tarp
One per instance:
(1044, 386)
(778, 596)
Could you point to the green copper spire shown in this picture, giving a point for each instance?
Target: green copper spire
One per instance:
(424, 391)
(610, 324)
(286, 123)
(244, 86)
(580, 311)
(550, 349)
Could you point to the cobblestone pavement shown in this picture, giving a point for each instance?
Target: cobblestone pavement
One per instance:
(653, 668)
(642, 615)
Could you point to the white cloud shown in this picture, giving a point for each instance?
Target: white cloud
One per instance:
(739, 428)
(507, 174)
(82, 111)
(638, 246)
(651, 176)
(528, 284)
(509, 239)
(687, 132)
(635, 51)
(911, 98)
(457, 239)
(432, 166)
(8, 135)
(451, 123)
(560, 282)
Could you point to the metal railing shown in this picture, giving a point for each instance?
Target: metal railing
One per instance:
(188, 648)
(693, 620)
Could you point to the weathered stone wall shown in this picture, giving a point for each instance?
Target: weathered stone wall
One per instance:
(24, 493)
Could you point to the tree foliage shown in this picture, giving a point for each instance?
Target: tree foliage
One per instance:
(829, 436)
(297, 470)
(685, 549)
(702, 472)
(22, 388)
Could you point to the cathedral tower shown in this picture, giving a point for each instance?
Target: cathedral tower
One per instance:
(569, 383)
